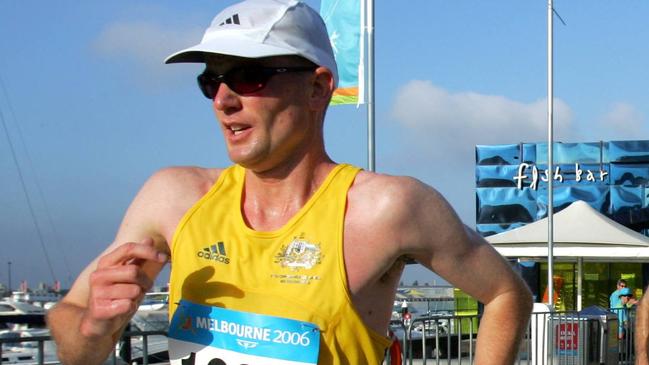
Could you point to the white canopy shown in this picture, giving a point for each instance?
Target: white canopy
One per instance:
(579, 231)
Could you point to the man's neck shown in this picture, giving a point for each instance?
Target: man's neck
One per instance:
(271, 198)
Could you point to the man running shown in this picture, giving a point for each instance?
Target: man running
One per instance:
(286, 256)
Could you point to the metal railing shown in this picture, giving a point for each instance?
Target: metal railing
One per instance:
(37, 356)
(552, 338)
(133, 345)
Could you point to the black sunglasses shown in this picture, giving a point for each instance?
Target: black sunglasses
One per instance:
(243, 80)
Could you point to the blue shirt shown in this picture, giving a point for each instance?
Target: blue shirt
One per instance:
(615, 300)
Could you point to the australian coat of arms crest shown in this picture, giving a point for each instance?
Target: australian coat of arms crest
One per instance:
(299, 254)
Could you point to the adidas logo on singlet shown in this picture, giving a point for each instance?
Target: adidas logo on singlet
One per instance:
(214, 252)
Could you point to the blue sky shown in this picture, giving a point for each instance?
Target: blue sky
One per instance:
(92, 111)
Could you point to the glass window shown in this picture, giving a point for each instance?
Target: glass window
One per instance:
(599, 282)
(596, 285)
(564, 287)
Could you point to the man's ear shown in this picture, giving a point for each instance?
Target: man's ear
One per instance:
(322, 88)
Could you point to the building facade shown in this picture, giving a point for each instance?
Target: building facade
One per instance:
(611, 176)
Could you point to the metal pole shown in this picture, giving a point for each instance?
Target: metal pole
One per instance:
(41, 352)
(550, 152)
(580, 275)
(370, 86)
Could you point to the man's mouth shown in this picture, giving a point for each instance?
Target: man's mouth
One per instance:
(236, 130)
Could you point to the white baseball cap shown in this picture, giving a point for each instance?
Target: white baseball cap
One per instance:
(265, 28)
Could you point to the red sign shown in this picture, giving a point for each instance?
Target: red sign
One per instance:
(567, 335)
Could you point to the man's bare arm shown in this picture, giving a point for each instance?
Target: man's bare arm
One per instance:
(507, 309)
(87, 323)
(439, 241)
(642, 331)
(87, 332)
(64, 320)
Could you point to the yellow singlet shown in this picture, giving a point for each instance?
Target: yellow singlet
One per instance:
(295, 272)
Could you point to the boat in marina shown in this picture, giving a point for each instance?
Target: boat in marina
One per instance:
(16, 312)
(17, 349)
(40, 297)
(20, 322)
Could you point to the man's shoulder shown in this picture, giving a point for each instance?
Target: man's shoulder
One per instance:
(391, 195)
(185, 178)
(178, 186)
(395, 188)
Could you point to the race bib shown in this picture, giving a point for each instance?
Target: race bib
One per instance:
(204, 335)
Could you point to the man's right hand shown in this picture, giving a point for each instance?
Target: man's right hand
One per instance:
(117, 286)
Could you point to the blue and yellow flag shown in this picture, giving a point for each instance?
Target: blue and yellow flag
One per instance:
(345, 20)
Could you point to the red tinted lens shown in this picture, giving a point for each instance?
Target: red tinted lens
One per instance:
(246, 80)
(240, 80)
(209, 84)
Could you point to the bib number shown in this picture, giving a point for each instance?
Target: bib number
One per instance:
(203, 335)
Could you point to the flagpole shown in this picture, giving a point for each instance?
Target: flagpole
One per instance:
(370, 86)
(550, 153)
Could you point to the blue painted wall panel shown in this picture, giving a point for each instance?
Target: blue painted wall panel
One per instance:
(496, 176)
(614, 179)
(529, 152)
(570, 153)
(629, 151)
(630, 174)
(490, 229)
(505, 154)
(505, 205)
(596, 196)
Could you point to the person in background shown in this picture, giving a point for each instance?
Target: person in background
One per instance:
(626, 301)
(285, 239)
(557, 296)
(614, 299)
(405, 314)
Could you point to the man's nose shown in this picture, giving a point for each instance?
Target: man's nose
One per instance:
(226, 99)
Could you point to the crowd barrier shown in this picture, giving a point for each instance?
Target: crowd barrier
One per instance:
(551, 338)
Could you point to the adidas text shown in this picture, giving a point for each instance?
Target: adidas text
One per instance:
(214, 257)
(215, 252)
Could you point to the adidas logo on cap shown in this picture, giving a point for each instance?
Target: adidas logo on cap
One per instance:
(265, 28)
(231, 20)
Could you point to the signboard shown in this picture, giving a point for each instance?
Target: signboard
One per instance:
(567, 338)
(578, 175)
(512, 181)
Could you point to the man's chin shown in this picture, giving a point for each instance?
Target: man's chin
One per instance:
(244, 161)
